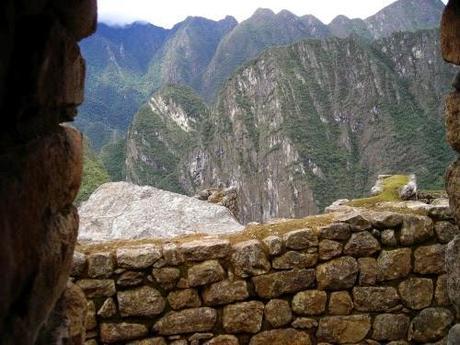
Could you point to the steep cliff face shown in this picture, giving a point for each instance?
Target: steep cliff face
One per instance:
(161, 133)
(127, 64)
(263, 30)
(306, 124)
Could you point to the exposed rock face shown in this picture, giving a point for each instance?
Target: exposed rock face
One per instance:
(263, 134)
(125, 211)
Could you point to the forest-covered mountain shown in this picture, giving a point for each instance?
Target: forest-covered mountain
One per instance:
(292, 112)
(302, 125)
(127, 64)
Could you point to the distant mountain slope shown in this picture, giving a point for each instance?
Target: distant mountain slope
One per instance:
(263, 30)
(303, 125)
(405, 15)
(162, 132)
(127, 64)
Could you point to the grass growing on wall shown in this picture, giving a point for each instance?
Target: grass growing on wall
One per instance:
(391, 187)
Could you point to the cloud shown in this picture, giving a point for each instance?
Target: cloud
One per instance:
(166, 13)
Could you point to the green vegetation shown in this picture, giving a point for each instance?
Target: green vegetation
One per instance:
(94, 175)
(113, 157)
(390, 192)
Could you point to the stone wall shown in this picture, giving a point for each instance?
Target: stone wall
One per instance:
(365, 278)
(450, 44)
(41, 84)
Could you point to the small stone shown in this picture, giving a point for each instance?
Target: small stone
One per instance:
(276, 284)
(446, 231)
(356, 221)
(287, 336)
(100, 265)
(388, 238)
(375, 299)
(94, 288)
(91, 321)
(130, 279)
(225, 292)
(138, 257)
(336, 231)
(395, 264)
(167, 277)
(430, 259)
(197, 338)
(329, 249)
(274, 245)
(343, 329)
(301, 239)
(244, 317)
(340, 303)
(223, 340)
(453, 272)
(304, 323)
(205, 273)
(293, 259)
(454, 335)
(415, 229)
(441, 296)
(310, 302)
(108, 309)
(187, 321)
(384, 220)
(150, 341)
(337, 274)
(179, 342)
(430, 324)
(172, 254)
(119, 332)
(361, 244)
(142, 301)
(249, 259)
(416, 293)
(207, 249)
(78, 264)
(278, 313)
(181, 299)
(390, 327)
(368, 271)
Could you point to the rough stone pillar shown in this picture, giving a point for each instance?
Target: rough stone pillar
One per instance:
(450, 43)
(41, 84)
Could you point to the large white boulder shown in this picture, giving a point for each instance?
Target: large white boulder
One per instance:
(122, 210)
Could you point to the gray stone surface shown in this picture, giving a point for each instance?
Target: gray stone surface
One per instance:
(122, 210)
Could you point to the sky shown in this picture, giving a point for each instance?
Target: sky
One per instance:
(166, 13)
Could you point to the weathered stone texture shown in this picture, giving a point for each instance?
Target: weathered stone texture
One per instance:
(390, 327)
(143, 301)
(187, 321)
(244, 317)
(337, 274)
(225, 292)
(117, 332)
(394, 264)
(430, 324)
(281, 337)
(375, 299)
(416, 293)
(205, 273)
(344, 329)
(249, 259)
(138, 257)
(276, 284)
(278, 313)
(310, 302)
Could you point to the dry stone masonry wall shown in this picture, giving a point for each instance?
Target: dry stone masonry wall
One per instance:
(366, 278)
